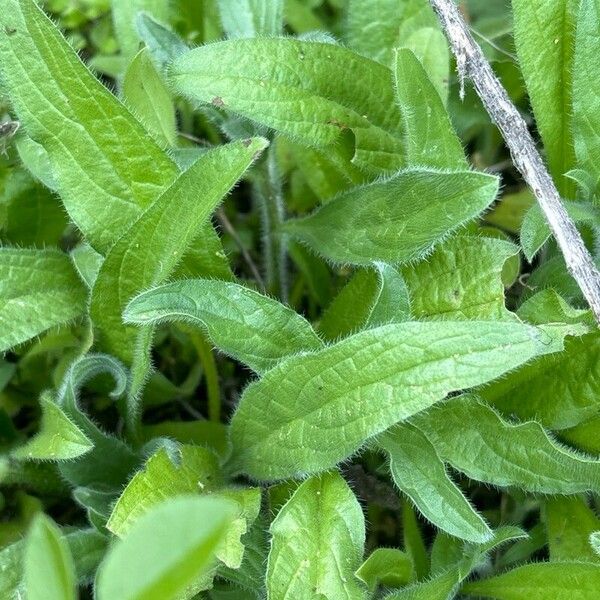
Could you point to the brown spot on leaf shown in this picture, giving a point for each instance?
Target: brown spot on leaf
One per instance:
(10, 30)
(337, 123)
(218, 102)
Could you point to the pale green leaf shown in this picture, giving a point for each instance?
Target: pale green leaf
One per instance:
(595, 542)
(163, 44)
(396, 220)
(36, 159)
(430, 137)
(49, 572)
(549, 307)
(39, 289)
(87, 262)
(545, 38)
(541, 581)
(152, 247)
(146, 95)
(166, 551)
(372, 297)
(569, 524)
(474, 439)
(386, 566)
(307, 100)
(251, 327)
(586, 91)
(312, 411)
(418, 472)
(251, 18)
(58, 438)
(461, 279)
(572, 376)
(317, 544)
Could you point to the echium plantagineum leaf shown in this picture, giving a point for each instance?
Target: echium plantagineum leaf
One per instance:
(312, 411)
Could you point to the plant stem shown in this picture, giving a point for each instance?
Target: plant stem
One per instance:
(207, 358)
(471, 63)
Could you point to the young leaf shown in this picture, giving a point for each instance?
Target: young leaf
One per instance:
(166, 551)
(586, 93)
(87, 262)
(544, 35)
(251, 18)
(163, 44)
(461, 279)
(39, 289)
(386, 566)
(149, 251)
(146, 95)
(307, 100)
(396, 220)
(418, 472)
(48, 566)
(372, 297)
(540, 581)
(253, 328)
(318, 542)
(569, 523)
(58, 439)
(493, 450)
(430, 138)
(312, 411)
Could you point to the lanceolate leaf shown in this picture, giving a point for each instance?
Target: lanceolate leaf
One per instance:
(138, 566)
(396, 220)
(418, 471)
(318, 543)
(386, 566)
(251, 18)
(462, 279)
(39, 289)
(58, 439)
(149, 251)
(430, 138)
(475, 440)
(544, 35)
(48, 565)
(307, 100)
(539, 581)
(310, 412)
(251, 327)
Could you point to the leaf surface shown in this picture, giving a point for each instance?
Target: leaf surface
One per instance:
(251, 18)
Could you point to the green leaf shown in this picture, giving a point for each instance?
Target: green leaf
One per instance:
(36, 160)
(251, 18)
(87, 262)
(166, 551)
(58, 439)
(39, 289)
(307, 101)
(475, 440)
(124, 16)
(418, 472)
(586, 93)
(149, 251)
(396, 220)
(545, 38)
(572, 376)
(549, 307)
(48, 566)
(107, 168)
(148, 98)
(461, 279)
(386, 566)
(540, 581)
(318, 542)
(595, 542)
(249, 326)
(430, 138)
(163, 44)
(312, 411)
(372, 297)
(569, 523)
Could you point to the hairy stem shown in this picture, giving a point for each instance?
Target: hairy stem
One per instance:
(472, 64)
(207, 358)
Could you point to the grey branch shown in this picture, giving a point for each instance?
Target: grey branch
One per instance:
(471, 63)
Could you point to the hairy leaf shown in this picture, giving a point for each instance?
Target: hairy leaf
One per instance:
(418, 472)
(39, 289)
(306, 100)
(149, 251)
(318, 542)
(396, 220)
(310, 412)
(493, 450)
(253, 328)
(386, 566)
(166, 550)
(251, 18)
